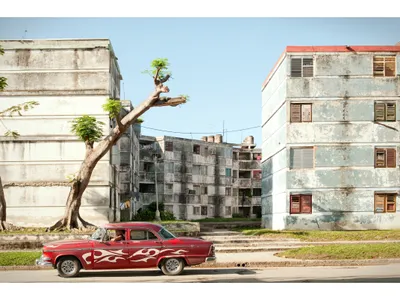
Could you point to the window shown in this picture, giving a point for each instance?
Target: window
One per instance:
(228, 191)
(196, 149)
(235, 192)
(197, 189)
(256, 156)
(196, 210)
(385, 203)
(257, 174)
(302, 158)
(302, 67)
(235, 156)
(228, 172)
(169, 187)
(256, 192)
(300, 112)
(384, 66)
(301, 204)
(204, 210)
(204, 190)
(169, 146)
(385, 158)
(385, 112)
(147, 188)
(142, 235)
(148, 166)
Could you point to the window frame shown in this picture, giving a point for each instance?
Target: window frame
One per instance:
(385, 117)
(385, 202)
(169, 146)
(291, 163)
(196, 149)
(300, 119)
(302, 66)
(147, 234)
(386, 164)
(380, 74)
(301, 198)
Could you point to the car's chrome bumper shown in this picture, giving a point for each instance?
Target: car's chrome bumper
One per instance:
(43, 261)
(211, 259)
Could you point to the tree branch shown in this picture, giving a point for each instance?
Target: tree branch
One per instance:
(119, 122)
(156, 81)
(167, 101)
(165, 79)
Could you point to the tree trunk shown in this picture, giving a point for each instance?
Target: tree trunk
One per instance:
(3, 210)
(72, 218)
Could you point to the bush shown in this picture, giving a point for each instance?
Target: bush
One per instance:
(149, 214)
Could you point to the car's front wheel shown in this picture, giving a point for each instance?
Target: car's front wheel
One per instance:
(68, 267)
(172, 266)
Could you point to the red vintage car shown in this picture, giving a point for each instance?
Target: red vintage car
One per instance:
(143, 245)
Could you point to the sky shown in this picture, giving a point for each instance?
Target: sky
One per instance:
(220, 63)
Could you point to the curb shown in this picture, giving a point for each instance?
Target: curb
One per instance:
(253, 265)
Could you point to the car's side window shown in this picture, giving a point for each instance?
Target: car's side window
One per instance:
(142, 235)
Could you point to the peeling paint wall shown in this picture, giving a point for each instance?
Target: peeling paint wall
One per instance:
(344, 135)
(69, 78)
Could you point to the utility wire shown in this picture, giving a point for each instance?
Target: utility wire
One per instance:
(163, 130)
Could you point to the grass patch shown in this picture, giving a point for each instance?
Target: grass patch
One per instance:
(320, 236)
(39, 230)
(18, 258)
(331, 252)
(226, 220)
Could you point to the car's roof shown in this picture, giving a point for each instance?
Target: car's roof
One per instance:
(153, 226)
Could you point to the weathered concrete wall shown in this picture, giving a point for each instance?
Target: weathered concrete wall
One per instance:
(69, 78)
(274, 139)
(344, 135)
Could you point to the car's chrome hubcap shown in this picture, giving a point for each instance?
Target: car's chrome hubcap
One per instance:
(172, 265)
(68, 266)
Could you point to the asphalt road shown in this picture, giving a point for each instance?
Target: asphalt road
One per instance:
(383, 273)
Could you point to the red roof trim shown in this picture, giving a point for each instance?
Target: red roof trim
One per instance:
(290, 49)
(343, 48)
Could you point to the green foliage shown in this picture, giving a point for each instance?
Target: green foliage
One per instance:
(149, 214)
(139, 120)
(160, 64)
(12, 133)
(16, 109)
(19, 258)
(3, 80)
(153, 206)
(113, 107)
(237, 216)
(87, 128)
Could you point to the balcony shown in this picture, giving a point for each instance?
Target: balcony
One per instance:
(244, 182)
(146, 177)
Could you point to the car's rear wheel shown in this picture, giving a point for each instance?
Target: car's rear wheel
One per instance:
(68, 267)
(172, 266)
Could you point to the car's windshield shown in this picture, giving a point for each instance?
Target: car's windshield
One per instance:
(98, 234)
(165, 234)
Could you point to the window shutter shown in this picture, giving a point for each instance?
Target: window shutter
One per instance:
(306, 112)
(306, 204)
(379, 203)
(308, 68)
(391, 158)
(380, 158)
(379, 111)
(295, 70)
(390, 66)
(295, 204)
(302, 158)
(379, 66)
(391, 203)
(391, 112)
(295, 112)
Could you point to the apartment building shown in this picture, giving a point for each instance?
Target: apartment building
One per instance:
(201, 178)
(330, 139)
(69, 78)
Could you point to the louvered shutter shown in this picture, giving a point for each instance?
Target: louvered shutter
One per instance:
(379, 111)
(391, 203)
(391, 112)
(308, 67)
(306, 204)
(302, 158)
(295, 112)
(306, 112)
(295, 204)
(295, 68)
(379, 66)
(380, 158)
(391, 158)
(379, 203)
(390, 66)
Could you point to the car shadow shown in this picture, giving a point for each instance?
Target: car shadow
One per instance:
(153, 272)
